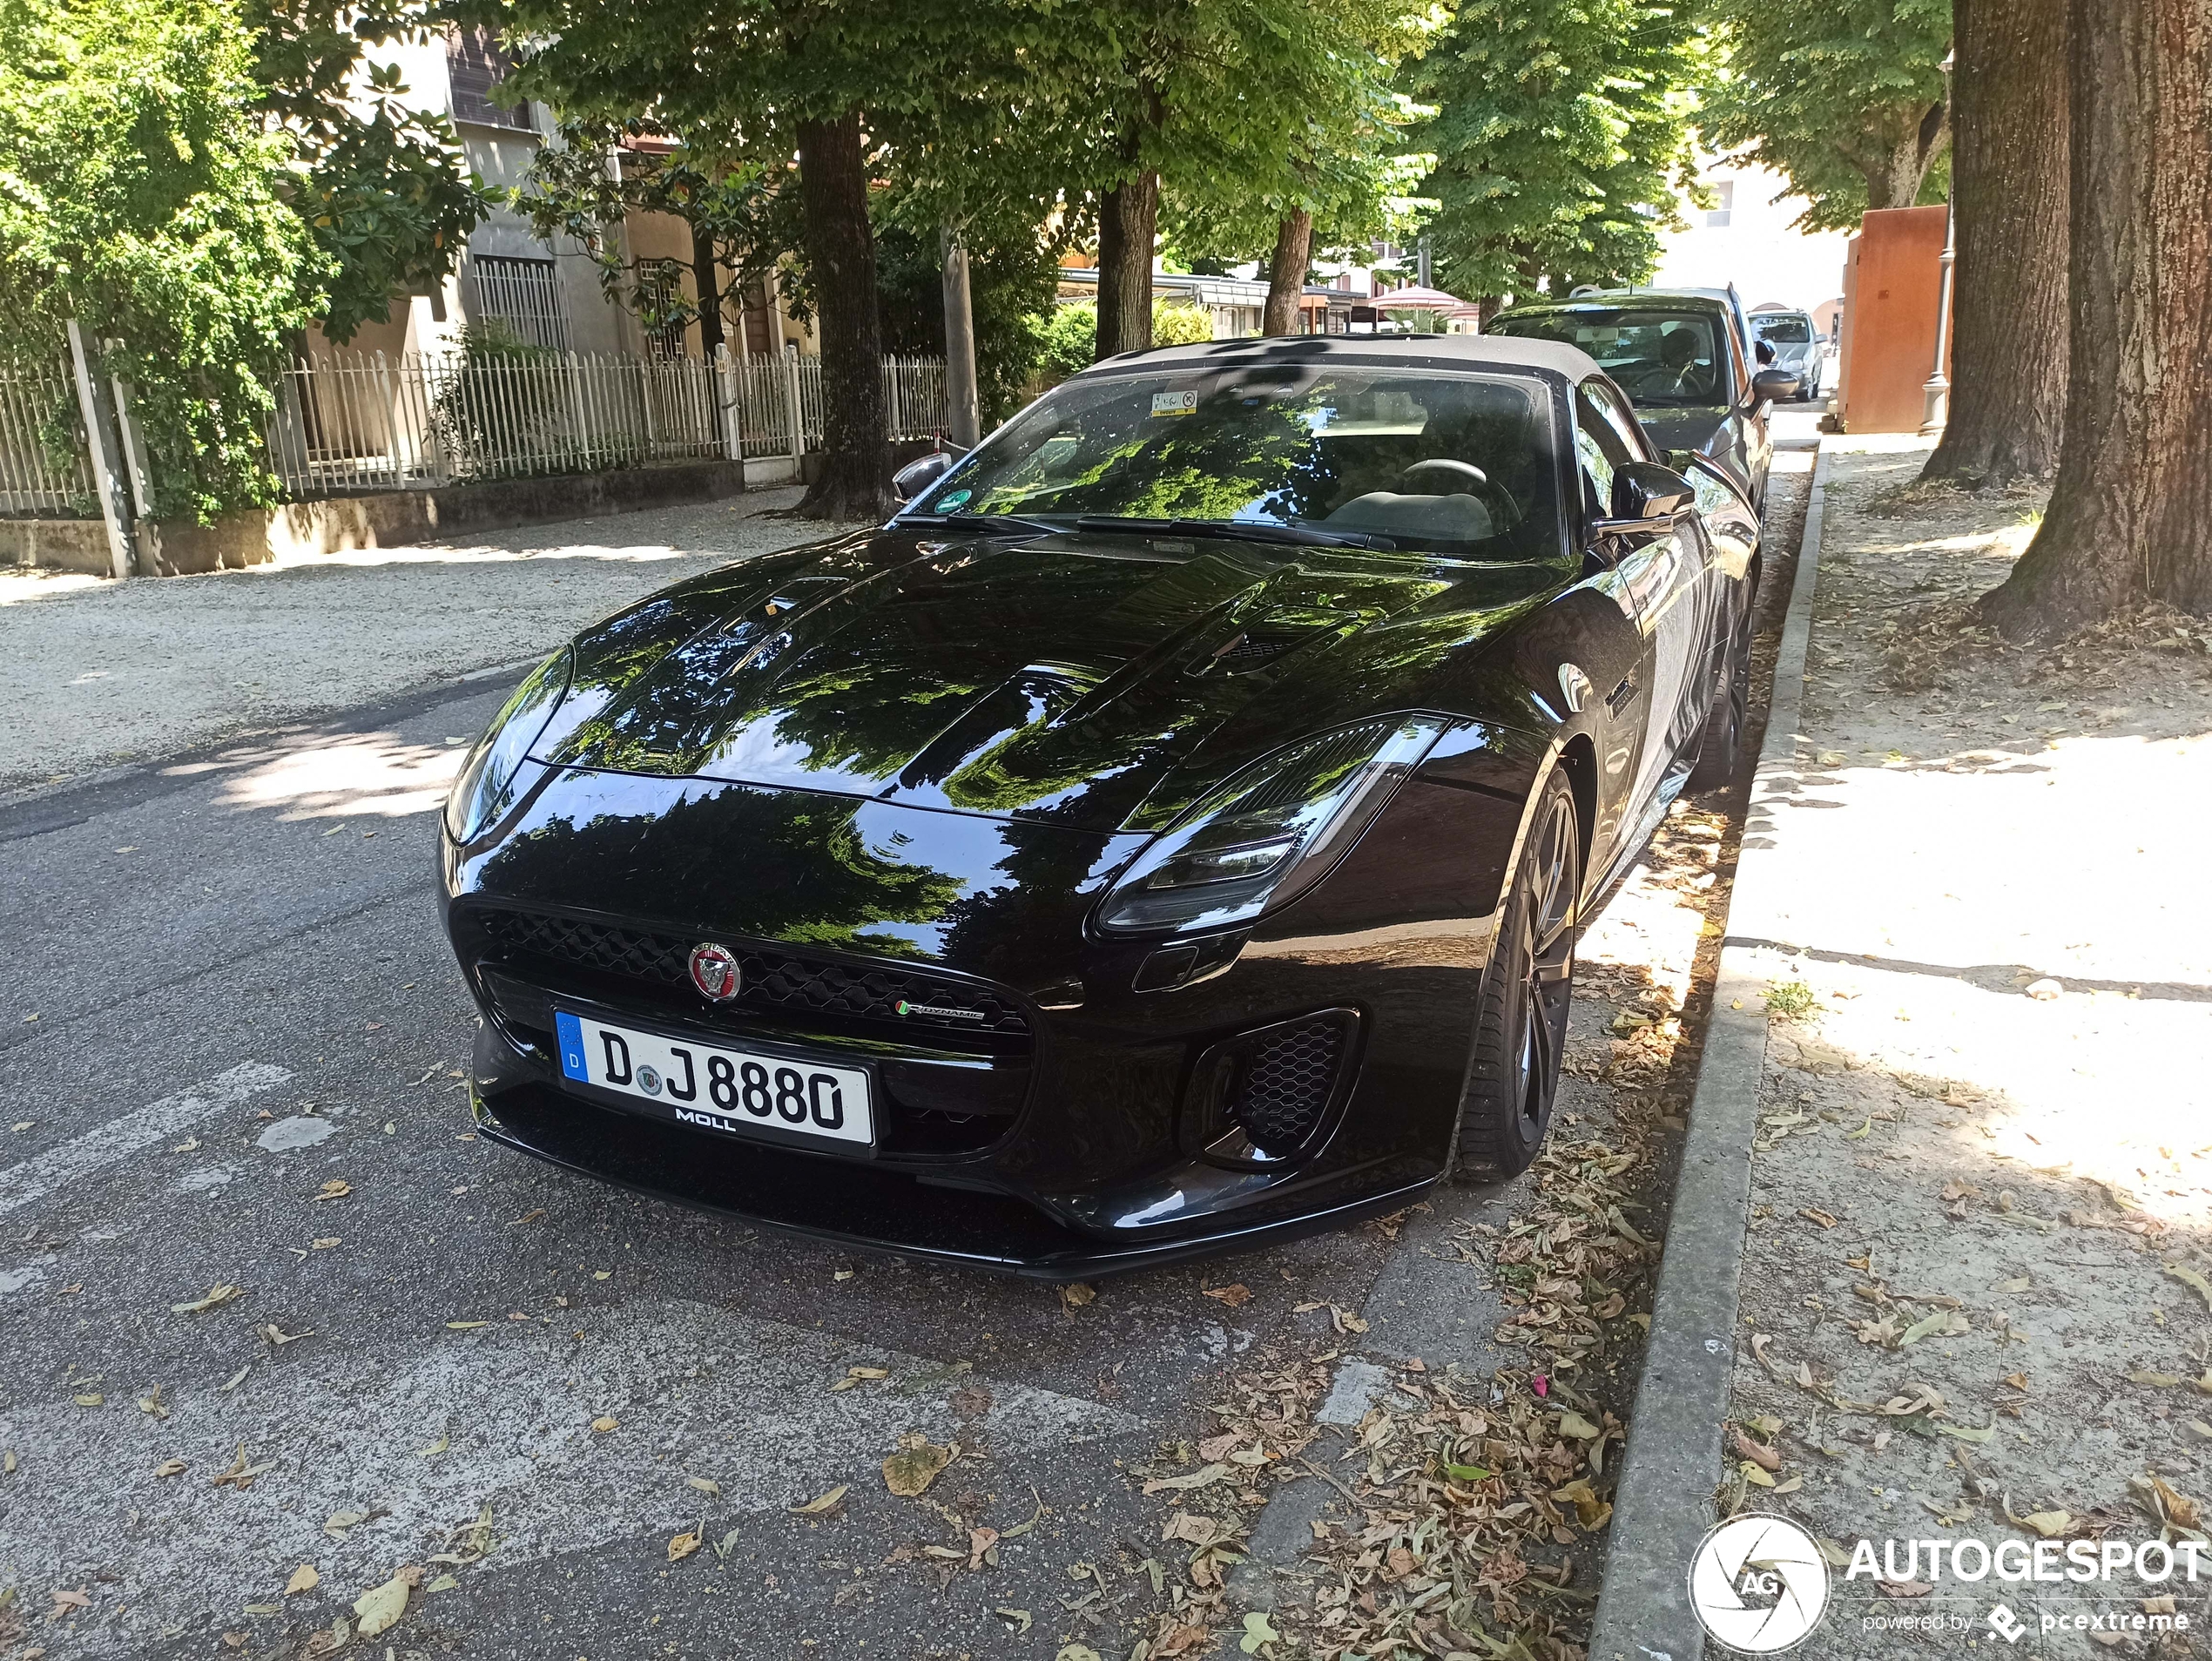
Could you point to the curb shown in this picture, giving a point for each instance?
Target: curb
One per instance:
(1673, 1462)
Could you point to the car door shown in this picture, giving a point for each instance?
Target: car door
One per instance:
(1662, 573)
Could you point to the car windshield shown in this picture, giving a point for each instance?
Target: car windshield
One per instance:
(1435, 462)
(1658, 358)
(1783, 331)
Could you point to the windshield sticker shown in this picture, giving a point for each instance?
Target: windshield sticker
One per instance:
(955, 500)
(1175, 403)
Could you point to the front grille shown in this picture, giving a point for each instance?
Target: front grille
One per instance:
(770, 978)
(1285, 1082)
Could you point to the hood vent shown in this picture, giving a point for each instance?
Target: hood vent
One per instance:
(1254, 649)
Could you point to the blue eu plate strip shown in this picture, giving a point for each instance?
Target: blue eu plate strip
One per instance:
(571, 1033)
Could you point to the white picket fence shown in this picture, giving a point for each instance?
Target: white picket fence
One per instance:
(353, 422)
(37, 399)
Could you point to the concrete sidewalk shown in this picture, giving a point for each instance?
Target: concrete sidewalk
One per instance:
(95, 674)
(1970, 912)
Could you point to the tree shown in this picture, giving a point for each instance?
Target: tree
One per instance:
(385, 188)
(2130, 515)
(1844, 97)
(145, 201)
(1560, 137)
(1231, 101)
(2008, 357)
(842, 85)
(584, 183)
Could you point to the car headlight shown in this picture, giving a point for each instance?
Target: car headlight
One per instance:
(498, 769)
(1269, 833)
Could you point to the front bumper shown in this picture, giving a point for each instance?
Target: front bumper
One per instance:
(868, 1208)
(1076, 1130)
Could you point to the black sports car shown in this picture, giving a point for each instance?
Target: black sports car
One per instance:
(1170, 831)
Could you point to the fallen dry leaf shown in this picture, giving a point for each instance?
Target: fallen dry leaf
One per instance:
(218, 1294)
(982, 1547)
(305, 1578)
(684, 1544)
(603, 1423)
(912, 1469)
(822, 1504)
(1765, 1458)
(1232, 1295)
(705, 1484)
(338, 1188)
(1077, 1294)
(170, 1468)
(379, 1608)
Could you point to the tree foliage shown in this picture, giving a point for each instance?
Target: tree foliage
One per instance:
(1844, 97)
(141, 196)
(384, 187)
(1560, 137)
(593, 175)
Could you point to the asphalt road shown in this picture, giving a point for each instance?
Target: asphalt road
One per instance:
(222, 990)
(225, 987)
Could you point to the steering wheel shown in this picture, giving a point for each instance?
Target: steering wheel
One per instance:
(1464, 473)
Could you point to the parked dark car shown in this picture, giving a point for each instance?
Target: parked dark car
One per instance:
(1796, 345)
(1170, 831)
(1679, 355)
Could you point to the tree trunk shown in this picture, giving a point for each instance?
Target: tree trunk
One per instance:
(1896, 180)
(1286, 273)
(2008, 171)
(2130, 517)
(855, 482)
(710, 287)
(1486, 307)
(1129, 217)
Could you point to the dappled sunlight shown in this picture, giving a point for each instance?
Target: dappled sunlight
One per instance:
(372, 773)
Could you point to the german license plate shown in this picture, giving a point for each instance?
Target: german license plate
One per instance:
(717, 1089)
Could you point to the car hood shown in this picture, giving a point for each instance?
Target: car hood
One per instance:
(1690, 428)
(1061, 677)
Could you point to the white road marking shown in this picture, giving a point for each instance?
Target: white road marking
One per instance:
(698, 1392)
(32, 1180)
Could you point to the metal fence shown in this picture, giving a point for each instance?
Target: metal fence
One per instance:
(361, 421)
(38, 401)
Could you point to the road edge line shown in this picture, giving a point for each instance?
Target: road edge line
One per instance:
(1673, 1461)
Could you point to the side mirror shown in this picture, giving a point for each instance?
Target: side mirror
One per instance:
(1772, 386)
(914, 478)
(1644, 492)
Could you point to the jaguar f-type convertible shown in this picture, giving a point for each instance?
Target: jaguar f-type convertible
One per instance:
(1170, 833)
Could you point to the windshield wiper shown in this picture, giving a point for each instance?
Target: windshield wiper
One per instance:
(1237, 530)
(1010, 522)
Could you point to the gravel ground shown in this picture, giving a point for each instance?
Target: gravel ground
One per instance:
(1983, 1176)
(101, 674)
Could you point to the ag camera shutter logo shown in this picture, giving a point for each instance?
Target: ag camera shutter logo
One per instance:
(1758, 1583)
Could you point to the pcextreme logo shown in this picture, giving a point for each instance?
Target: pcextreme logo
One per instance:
(1758, 1583)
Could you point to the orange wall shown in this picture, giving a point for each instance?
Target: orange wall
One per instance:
(1893, 283)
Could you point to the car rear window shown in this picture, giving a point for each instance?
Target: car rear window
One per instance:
(1783, 331)
(1657, 357)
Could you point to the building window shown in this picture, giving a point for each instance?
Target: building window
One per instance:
(522, 296)
(475, 64)
(1724, 208)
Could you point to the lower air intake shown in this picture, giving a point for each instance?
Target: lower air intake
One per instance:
(1272, 1094)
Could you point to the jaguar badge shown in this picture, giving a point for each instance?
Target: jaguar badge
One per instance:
(714, 971)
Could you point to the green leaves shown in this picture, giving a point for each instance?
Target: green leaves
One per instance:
(1560, 133)
(1845, 96)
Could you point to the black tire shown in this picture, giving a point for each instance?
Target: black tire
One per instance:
(1520, 1014)
(1720, 749)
